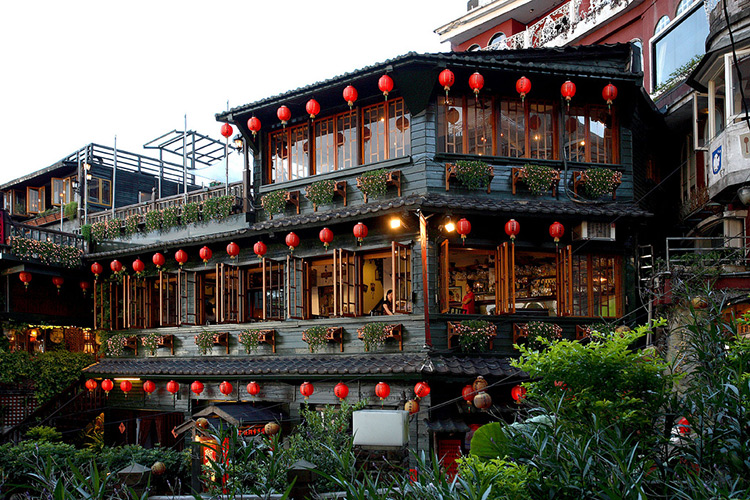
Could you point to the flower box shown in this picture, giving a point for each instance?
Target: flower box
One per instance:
(535, 177)
(389, 178)
(267, 336)
(325, 190)
(221, 339)
(132, 343)
(455, 330)
(521, 331)
(393, 331)
(583, 332)
(452, 172)
(583, 177)
(292, 198)
(167, 341)
(332, 334)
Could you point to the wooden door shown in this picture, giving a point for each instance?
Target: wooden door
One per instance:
(401, 255)
(444, 281)
(505, 279)
(297, 286)
(564, 275)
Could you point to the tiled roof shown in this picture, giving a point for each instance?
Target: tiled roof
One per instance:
(161, 245)
(447, 425)
(306, 365)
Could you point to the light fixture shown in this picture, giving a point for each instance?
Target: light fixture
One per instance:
(238, 143)
(395, 222)
(88, 177)
(86, 166)
(448, 224)
(744, 194)
(34, 334)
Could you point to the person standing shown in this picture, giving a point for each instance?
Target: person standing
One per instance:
(468, 304)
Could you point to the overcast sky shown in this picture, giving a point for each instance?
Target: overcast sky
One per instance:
(78, 72)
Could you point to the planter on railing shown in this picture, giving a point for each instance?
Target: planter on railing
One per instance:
(539, 179)
(292, 198)
(393, 331)
(544, 329)
(206, 340)
(471, 175)
(252, 337)
(483, 335)
(376, 182)
(132, 343)
(317, 336)
(597, 182)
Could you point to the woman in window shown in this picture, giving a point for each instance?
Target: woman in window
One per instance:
(467, 304)
(384, 306)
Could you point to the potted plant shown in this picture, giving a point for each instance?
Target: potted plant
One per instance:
(315, 336)
(250, 339)
(205, 341)
(115, 344)
(191, 212)
(548, 332)
(169, 218)
(274, 202)
(599, 181)
(473, 335)
(112, 228)
(151, 342)
(153, 220)
(131, 224)
(320, 192)
(373, 183)
(473, 174)
(375, 334)
(217, 207)
(538, 178)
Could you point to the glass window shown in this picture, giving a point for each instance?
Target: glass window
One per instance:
(497, 37)
(661, 24)
(683, 6)
(512, 131)
(93, 190)
(399, 129)
(688, 171)
(679, 45)
(479, 125)
(325, 145)
(300, 157)
(473, 48)
(590, 135)
(34, 200)
(450, 124)
(374, 133)
(346, 140)
(541, 137)
(105, 197)
(279, 156)
(575, 130)
(595, 286)
(58, 191)
(740, 86)
(601, 135)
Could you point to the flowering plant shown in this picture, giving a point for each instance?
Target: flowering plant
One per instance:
(315, 336)
(205, 341)
(250, 340)
(115, 344)
(474, 334)
(131, 224)
(541, 334)
(169, 218)
(598, 181)
(375, 334)
(274, 202)
(217, 207)
(153, 220)
(191, 212)
(113, 228)
(320, 192)
(99, 230)
(151, 342)
(538, 178)
(473, 174)
(46, 252)
(373, 183)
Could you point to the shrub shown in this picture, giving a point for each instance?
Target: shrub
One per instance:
(373, 182)
(131, 224)
(191, 213)
(44, 433)
(540, 333)
(86, 232)
(46, 251)
(510, 481)
(274, 202)
(473, 174)
(99, 230)
(169, 218)
(112, 228)
(153, 220)
(71, 210)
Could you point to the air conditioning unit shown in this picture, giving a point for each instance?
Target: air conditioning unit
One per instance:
(587, 230)
(380, 427)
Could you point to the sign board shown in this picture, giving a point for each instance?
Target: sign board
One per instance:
(716, 160)
(745, 144)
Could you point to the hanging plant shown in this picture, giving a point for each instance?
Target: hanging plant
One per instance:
(474, 334)
(250, 339)
(115, 345)
(151, 342)
(71, 210)
(46, 252)
(274, 202)
(549, 332)
(205, 342)
(315, 337)
(374, 334)
(131, 224)
(169, 218)
(112, 230)
(99, 230)
(86, 232)
(217, 208)
(191, 212)
(473, 174)
(599, 181)
(320, 192)
(539, 178)
(373, 183)
(153, 220)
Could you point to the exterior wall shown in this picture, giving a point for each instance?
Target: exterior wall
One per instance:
(509, 27)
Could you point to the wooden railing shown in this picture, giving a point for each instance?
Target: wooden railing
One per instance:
(17, 230)
(235, 189)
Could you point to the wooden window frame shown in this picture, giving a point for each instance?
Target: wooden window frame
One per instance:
(386, 130)
(589, 293)
(53, 198)
(138, 299)
(298, 290)
(230, 293)
(354, 117)
(190, 307)
(165, 299)
(587, 133)
(273, 268)
(401, 270)
(40, 192)
(287, 133)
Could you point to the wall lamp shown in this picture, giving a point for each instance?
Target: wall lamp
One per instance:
(239, 144)
(448, 225)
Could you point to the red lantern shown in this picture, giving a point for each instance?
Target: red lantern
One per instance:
(181, 257)
(107, 385)
(350, 95)
(683, 425)
(512, 228)
(253, 388)
(116, 266)
(292, 241)
(534, 122)
(412, 407)
(568, 90)
(253, 124)
(463, 227)
(138, 266)
(58, 282)
(476, 82)
(482, 401)
(260, 249)
(518, 393)
(523, 87)
(85, 285)
(385, 84)
(173, 387)
(91, 384)
(25, 277)
(284, 114)
(158, 260)
(312, 107)
(97, 269)
(205, 253)
(226, 130)
(196, 387)
(467, 393)
(226, 388)
(421, 389)
(556, 230)
(360, 231)
(326, 237)
(306, 389)
(382, 390)
(609, 94)
(126, 386)
(479, 384)
(233, 249)
(341, 391)
(149, 387)
(446, 80)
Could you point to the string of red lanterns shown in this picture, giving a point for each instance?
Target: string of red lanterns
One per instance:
(126, 386)
(253, 388)
(107, 385)
(138, 267)
(85, 285)
(96, 269)
(463, 227)
(382, 390)
(556, 231)
(196, 387)
(149, 387)
(91, 385)
(115, 266)
(518, 393)
(421, 390)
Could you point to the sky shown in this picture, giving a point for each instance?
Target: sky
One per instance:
(77, 72)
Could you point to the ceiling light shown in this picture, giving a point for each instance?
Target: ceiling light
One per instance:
(395, 222)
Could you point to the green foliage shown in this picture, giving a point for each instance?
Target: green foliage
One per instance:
(177, 462)
(153, 220)
(44, 433)
(46, 251)
(205, 342)
(598, 181)
(191, 213)
(99, 230)
(112, 228)
(274, 202)
(541, 333)
(70, 210)
(473, 174)
(131, 224)
(320, 192)
(315, 336)
(510, 481)
(169, 218)
(113, 344)
(217, 207)
(374, 335)
(373, 182)
(86, 232)
(49, 372)
(249, 339)
(474, 334)
(539, 178)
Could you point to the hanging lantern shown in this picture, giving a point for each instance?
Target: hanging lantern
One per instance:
(58, 282)
(181, 257)
(683, 426)
(233, 249)
(85, 285)
(292, 241)
(226, 130)
(91, 385)
(284, 114)
(173, 387)
(253, 124)
(196, 387)
(568, 90)
(523, 87)
(205, 253)
(97, 269)
(360, 231)
(534, 122)
(326, 237)
(609, 94)
(350, 95)
(518, 393)
(512, 228)
(385, 84)
(341, 391)
(25, 277)
(446, 80)
(149, 387)
(253, 388)
(202, 423)
(260, 249)
(306, 389)
(479, 384)
(463, 227)
(126, 386)
(107, 386)
(158, 260)
(382, 390)
(476, 82)
(271, 429)
(468, 393)
(138, 266)
(556, 230)
(421, 389)
(412, 406)
(482, 401)
(116, 266)
(226, 388)
(453, 116)
(313, 108)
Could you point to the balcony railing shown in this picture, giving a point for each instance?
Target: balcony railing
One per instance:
(17, 230)
(729, 253)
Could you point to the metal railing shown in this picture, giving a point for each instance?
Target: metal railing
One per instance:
(732, 253)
